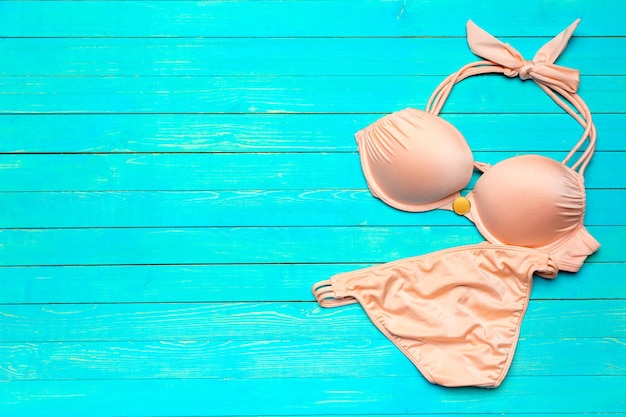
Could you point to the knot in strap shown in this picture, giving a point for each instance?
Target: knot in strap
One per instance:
(525, 72)
(557, 81)
(541, 68)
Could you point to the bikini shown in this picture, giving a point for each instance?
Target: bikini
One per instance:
(456, 313)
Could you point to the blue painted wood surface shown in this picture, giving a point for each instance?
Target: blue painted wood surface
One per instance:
(175, 175)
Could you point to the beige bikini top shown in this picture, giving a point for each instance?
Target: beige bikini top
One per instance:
(416, 161)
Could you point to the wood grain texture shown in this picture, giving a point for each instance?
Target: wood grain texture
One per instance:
(253, 359)
(227, 172)
(286, 94)
(171, 57)
(321, 18)
(310, 396)
(254, 133)
(202, 245)
(175, 175)
(240, 282)
(356, 207)
(254, 321)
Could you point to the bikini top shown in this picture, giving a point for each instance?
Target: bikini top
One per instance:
(416, 161)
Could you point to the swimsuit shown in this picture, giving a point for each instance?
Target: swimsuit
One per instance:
(456, 313)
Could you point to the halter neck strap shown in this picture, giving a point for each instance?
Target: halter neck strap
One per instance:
(560, 83)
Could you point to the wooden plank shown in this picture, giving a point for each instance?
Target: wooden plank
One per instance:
(281, 132)
(268, 321)
(234, 155)
(203, 245)
(252, 359)
(225, 245)
(241, 282)
(241, 208)
(227, 172)
(287, 94)
(306, 396)
(71, 57)
(302, 18)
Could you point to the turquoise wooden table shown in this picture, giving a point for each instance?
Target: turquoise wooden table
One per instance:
(175, 175)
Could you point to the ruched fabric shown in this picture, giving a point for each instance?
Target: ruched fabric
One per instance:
(536, 202)
(414, 160)
(402, 154)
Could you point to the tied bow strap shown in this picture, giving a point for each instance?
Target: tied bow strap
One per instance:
(541, 69)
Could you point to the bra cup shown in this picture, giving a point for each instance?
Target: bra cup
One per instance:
(528, 200)
(412, 160)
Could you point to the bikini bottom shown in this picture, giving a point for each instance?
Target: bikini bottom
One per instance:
(456, 313)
